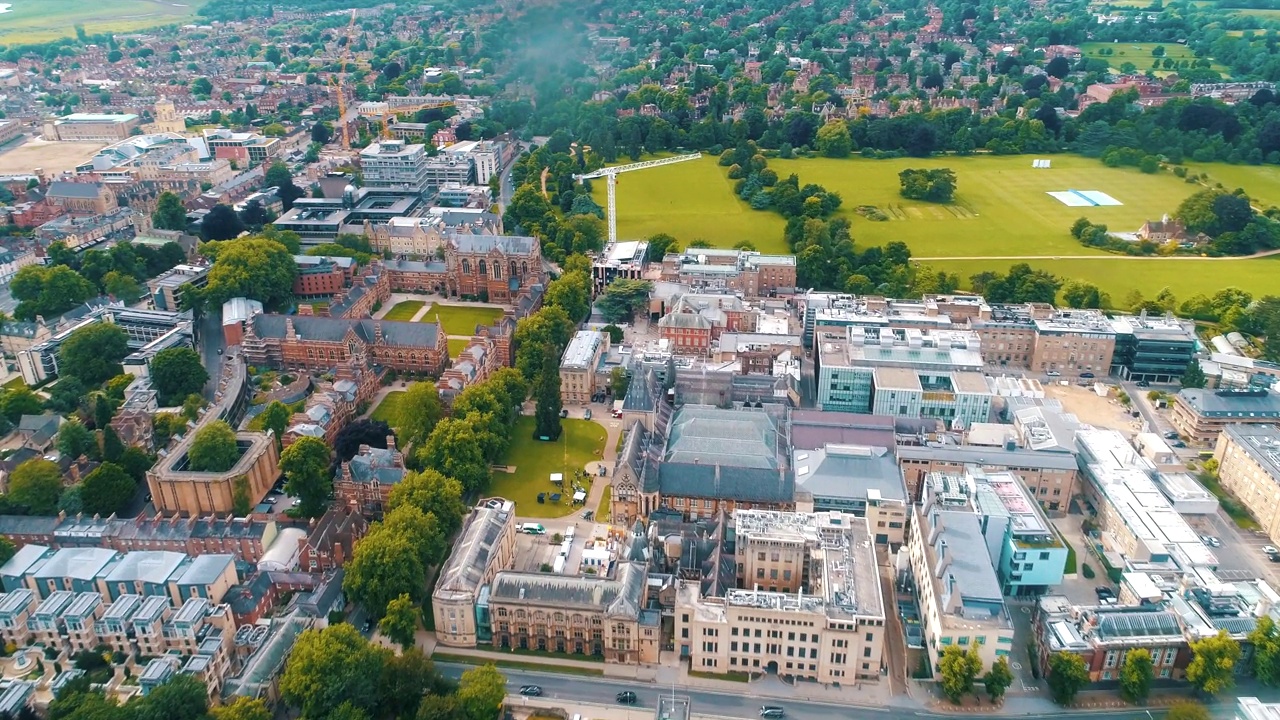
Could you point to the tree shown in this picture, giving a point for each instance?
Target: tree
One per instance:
(136, 462)
(305, 465)
(221, 223)
(1193, 376)
(255, 268)
(373, 433)
(572, 293)
(481, 691)
(169, 214)
(1266, 651)
(48, 291)
(454, 450)
(1080, 294)
(1187, 710)
(254, 216)
(549, 326)
(619, 381)
(405, 679)
(419, 411)
(383, 566)
(439, 707)
(182, 697)
(19, 401)
(400, 624)
(329, 667)
(7, 549)
(1058, 67)
(998, 679)
(112, 447)
(660, 245)
(834, 140)
(213, 449)
(93, 353)
(1213, 663)
(615, 333)
(1136, 675)
(275, 417)
(958, 668)
(320, 133)
(1067, 676)
(107, 490)
(242, 708)
(279, 177)
(36, 485)
(938, 185)
(421, 530)
(433, 494)
(201, 86)
(546, 393)
(622, 298)
(176, 373)
(121, 286)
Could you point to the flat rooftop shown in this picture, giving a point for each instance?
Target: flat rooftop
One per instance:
(582, 349)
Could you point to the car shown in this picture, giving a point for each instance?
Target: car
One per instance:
(1211, 541)
(586, 414)
(1274, 558)
(147, 498)
(367, 627)
(564, 413)
(1171, 435)
(1178, 444)
(617, 413)
(1102, 591)
(1143, 383)
(1270, 550)
(1053, 373)
(626, 697)
(1086, 376)
(271, 501)
(531, 690)
(771, 711)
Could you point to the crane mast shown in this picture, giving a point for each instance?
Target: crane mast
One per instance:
(610, 174)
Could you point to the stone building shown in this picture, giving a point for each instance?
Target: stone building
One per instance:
(320, 343)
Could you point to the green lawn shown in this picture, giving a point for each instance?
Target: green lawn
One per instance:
(404, 311)
(15, 382)
(461, 319)
(388, 408)
(691, 200)
(35, 21)
(457, 345)
(581, 442)
(1147, 275)
(1001, 205)
(603, 509)
(1261, 182)
(1140, 54)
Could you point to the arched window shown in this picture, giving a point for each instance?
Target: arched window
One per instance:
(482, 268)
(497, 271)
(466, 266)
(513, 269)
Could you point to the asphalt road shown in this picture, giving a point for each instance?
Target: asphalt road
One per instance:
(209, 342)
(706, 702)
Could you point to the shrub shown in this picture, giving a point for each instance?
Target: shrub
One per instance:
(1088, 572)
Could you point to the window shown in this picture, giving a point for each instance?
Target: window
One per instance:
(1044, 556)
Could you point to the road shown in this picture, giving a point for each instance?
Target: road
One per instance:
(210, 342)
(573, 688)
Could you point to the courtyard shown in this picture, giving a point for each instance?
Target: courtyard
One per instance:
(531, 463)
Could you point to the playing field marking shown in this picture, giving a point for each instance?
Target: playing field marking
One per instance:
(1070, 199)
(1084, 198)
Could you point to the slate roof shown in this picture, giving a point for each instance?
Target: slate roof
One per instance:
(641, 393)
(62, 189)
(737, 483)
(706, 435)
(480, 244)
(378, 466)
(848, 471)
(329, 329)
(620, 597)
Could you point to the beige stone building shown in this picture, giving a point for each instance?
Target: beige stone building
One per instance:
(91, 127)
(579, 366)
(418, 237)
(1200, 415)
(1249, 468)
(485, 546)
(808, 603)
(177, 490)
(960, 597)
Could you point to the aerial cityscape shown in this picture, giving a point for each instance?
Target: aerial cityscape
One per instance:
(480, 360)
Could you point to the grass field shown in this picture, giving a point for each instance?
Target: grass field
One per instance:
(1140, 54)
(460, 319)
(603, 510)
(457, 345)
(1148, 276)
(34, 21)
(581, 442)
(1261, 182)
(404, 311)
(388, 408)
(1266, 14)
(692, 200)
(1001, 206)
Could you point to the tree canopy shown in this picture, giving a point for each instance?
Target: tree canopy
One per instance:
(107, 490)
(418, 413)
(93, 353)
(213, 449)
(36, 485)
(251, 267)
(306, 468)
(176, 373)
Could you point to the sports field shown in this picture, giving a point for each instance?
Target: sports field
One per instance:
(461, 319)
(692, 200)
(1001, 206)
(1260, 182)
(34, 21)
(1140, 54)
(1147, 275)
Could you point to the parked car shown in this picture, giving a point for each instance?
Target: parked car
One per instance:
(586, 414)
(1053, 373)
(1211, 541)
(771, 711)
(617, 413)
(1086, 376)
(626, 697)
(1178, 444)
(1171, 435)
(1102, 591)
(530, 690)
(1270, 550)
(1143, 383)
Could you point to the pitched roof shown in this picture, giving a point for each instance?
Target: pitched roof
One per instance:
(62, 189)
(506, 244)
(330, 329)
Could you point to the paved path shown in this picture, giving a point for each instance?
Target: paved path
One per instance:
(1264, 253)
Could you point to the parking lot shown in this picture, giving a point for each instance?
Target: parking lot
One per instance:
(538, 553)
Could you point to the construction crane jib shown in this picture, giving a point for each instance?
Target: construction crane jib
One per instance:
(610, 175)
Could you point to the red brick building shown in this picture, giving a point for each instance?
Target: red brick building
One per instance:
(696, 321)
(331, 540)
(365, 482)
(322, 276)
(324, 343)
(493, 268)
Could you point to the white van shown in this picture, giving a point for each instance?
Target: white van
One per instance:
(533, 529)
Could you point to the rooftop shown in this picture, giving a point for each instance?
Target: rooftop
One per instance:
(470, 557)
(582, 350)
(1261, 443)
(849, 471)
(706, 435)
(968, 592)
(1255, 403)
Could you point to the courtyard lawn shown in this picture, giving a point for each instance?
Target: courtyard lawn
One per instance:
(457, 345)
(389, 408)
(461, 319)
(404, 311)
(581, 442)
(603, 510)
(1147, 275)
(691, 200)
(1001, 205)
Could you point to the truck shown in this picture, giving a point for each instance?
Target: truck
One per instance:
(532, 529)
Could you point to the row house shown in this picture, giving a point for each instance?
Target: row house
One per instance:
(477, 361)
(331, 540)
(111, 574)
